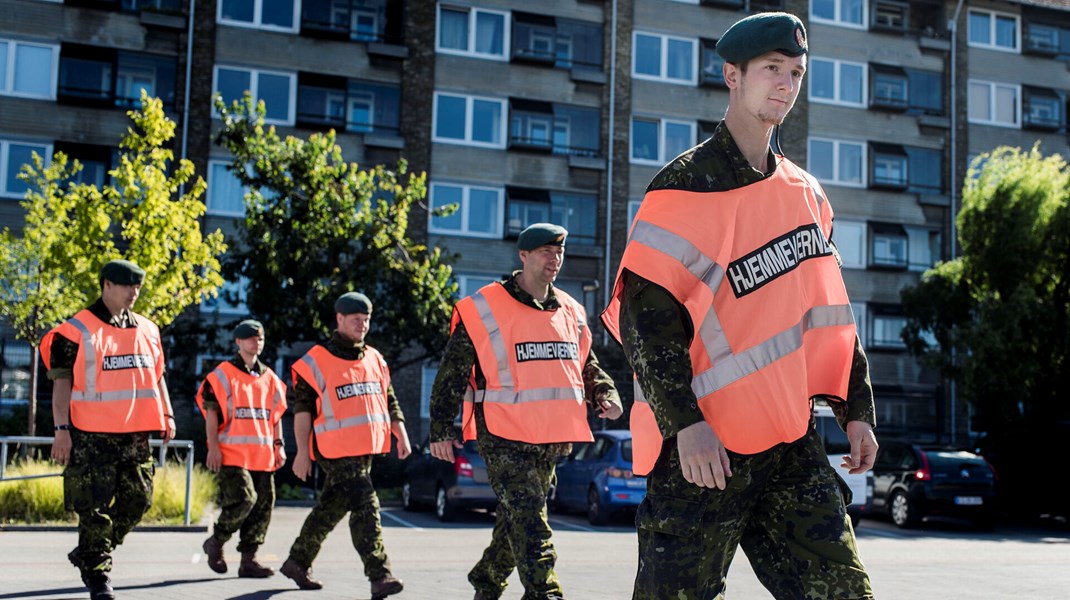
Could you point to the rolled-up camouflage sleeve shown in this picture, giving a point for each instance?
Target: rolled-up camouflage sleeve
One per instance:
(393, 406)
(598, 386)
(656, 333)
(64, 354)
(454, 373)
(208, 398)
(305, 397)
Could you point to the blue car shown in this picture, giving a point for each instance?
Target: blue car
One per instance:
(597, 478)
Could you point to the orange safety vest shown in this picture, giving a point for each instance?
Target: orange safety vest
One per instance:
(755, 271)
(116, 384)
(353, 416)
(250, 408)
(533, 362)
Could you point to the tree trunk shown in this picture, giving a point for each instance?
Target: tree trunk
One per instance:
(31, 425)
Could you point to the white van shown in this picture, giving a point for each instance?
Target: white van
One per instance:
(836, 446)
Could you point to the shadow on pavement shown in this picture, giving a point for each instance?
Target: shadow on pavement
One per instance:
(80, 590)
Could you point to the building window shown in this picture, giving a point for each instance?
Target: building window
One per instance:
(889, 166)
(888, 87)
(469, 120)
(664, 58)
(923, 247)
(226, 194)
(993, 30)
(859, 310)
(845, 13)
(348, 104)
(28, 70)
(92, 75)
(14, 154)
(556, 128)
(479, 214)
(850, 240)
(712, 65)
(578, 213)
(837, 161)
(276, 89)
(890, 15)
(278, 15)
(888, 246)
(926, 92)
(886, 327)
(96, 161)
(1041, 109)
(475, 32)
(562, 43)
(357, 20)
(925, 170)
(837, 82)
(656, 141)
(1042, 39)
(470, 283)
(232, 300)
(993, 103)
(633, 209)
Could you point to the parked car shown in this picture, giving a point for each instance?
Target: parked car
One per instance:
(597, 478)
(836, 446)
(912, 482)
(449, 488)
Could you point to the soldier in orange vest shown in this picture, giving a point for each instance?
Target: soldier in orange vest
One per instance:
(733, 313)
(108, 396)
(345, 411)
(243, 401)
(519, 359)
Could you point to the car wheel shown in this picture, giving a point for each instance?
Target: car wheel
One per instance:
(596, 513)
(406, 498)
(444, 509)
(902, 511)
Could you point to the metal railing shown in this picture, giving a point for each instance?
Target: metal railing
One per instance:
(162, 455)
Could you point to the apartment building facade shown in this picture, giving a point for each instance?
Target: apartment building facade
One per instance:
(559, 111)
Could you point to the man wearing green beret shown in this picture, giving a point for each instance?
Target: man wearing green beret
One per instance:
(345, 412)
(243, 401)
(519, 359)
(109, 394)
(733, 314)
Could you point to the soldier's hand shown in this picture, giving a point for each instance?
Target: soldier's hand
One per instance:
(610, 410)
(863, 447)
(214, 460)
(302, 465)
(169, 430)
(280, 457)
(703, 458)
(61, 447)
(444, 450)
(404, 448)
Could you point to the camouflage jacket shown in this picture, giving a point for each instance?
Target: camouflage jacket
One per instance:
(305, 395)
(656, 330)
(460, 358)
(208, 394)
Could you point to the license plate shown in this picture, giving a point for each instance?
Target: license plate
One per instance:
(636, 483)
(969, 500)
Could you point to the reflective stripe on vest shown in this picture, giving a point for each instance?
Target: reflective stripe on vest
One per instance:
(240, 449)
(89, 392)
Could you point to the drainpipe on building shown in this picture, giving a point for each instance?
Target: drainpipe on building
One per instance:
(952, 27)
(609, 166)
(185, 97)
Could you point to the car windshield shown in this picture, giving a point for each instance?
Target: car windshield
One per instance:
(950, 458)
(626, 450)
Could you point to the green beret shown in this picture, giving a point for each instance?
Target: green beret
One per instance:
(247, 329)
(353, 302)
(757, 34)
(541, 234)
(122, 272)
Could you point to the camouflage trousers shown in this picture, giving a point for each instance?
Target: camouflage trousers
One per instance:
(520, 475)
(108, 483)
(785, 507)
(246, 499)
(347, 489)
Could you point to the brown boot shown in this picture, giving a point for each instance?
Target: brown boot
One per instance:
(214, 549)
(250, 567)
(301, 575)
(387, 586)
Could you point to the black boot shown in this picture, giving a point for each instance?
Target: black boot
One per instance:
(99, 585)
(301, 575)
(213, 548)
(387, 586)
(250, 567)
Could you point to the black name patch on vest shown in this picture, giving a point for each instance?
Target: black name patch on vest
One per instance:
(251, 413)
(778, 257)
(360, 388)
(116, 362)
(547, 351)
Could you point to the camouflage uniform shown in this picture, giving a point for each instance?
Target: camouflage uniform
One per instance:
(656, 333)
(348, 486)
(246, 498)
(520, 473)
(108, 481)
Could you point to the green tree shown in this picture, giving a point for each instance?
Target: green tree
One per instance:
(995, 318)
(49, 270)
(317, 226)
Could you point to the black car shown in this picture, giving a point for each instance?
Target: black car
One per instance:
(911, 482)
(447, 487)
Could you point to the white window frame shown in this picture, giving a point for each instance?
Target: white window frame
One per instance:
(7, 87)
(662, 122)
(663, 68)
(464, 231)
(837, 83)
(863, 168)
(258, 10)
(838, 19)
(208, 200)
(633, 209)
(859, 311)
(5, 150)
(992, 86)
(463, 280)
(846, 227)
(507, 25)
(889, 344)
(992, 14)
(469, 103)
(241, 286)
(254, 82)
